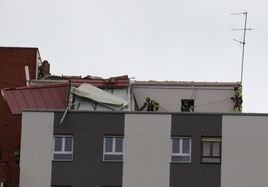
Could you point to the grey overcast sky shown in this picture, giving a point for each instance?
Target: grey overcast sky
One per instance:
(183, 40)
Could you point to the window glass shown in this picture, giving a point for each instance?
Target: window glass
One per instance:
(175, 145)
(113, 150)
(216, 149)
(206, 148)
(68, 143)
(63, 148)
(181, 149)
(211, 149)
(118, 144)
(186, 145)
(108, 144)
(58, 144)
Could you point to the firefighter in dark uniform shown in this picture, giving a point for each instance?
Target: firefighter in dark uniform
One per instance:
(150, 104)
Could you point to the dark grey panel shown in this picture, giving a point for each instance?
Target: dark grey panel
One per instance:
(195, 173)
(87, 168)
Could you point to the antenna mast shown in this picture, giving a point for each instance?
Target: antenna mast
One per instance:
(243, 42)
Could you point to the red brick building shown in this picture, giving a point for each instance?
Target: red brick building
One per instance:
(13, 74)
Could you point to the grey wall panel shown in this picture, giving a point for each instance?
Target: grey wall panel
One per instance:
(36, 149)
(245, 151)
(195, 173)
(87, 168)
(146, 150)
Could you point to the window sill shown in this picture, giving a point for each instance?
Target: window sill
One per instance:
(180, 162)
(210, 162)
(62, 160)
(112, 161)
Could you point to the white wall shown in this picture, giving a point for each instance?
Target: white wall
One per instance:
(244, 151)
(146, 150)
(206, 99)
(36, 149)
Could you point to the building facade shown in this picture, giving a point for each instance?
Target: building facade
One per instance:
(130, 149)
(173, 95)
(15, 63)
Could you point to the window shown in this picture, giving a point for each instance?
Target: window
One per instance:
(211, 150)
(2, 184)
(113, 148)
(63, 147)
(181, 149)
(187, 105)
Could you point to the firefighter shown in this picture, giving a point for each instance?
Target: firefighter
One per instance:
(187, 106)
(237, 99)
(150, 104)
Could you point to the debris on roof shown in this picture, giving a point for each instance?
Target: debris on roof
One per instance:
(112, 82)
(98, 95)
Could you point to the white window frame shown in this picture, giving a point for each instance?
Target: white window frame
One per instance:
(181, 148)
(113, 152)
(63, 152)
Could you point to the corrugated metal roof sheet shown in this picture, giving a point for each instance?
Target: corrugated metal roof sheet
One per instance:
(53, 96)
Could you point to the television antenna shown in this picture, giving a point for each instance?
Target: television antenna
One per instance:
(243, 43)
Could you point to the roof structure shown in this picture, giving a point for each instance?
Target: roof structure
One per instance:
(185, 83)
(52, 96)
(112, 82)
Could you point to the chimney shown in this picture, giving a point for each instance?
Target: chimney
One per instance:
(44, 69)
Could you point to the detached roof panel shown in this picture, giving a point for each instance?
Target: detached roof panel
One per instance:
(53, 96)
(98, 95)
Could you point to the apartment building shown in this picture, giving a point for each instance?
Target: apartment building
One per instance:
(17, 65)
(107, 127)
(154, 149)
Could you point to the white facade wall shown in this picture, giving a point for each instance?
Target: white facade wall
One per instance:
(207, 99)
(146, 150)
(244, 151)
(36, 149)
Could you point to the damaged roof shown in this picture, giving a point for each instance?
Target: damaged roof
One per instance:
(52, 96)
(112, 82)
(185, 83)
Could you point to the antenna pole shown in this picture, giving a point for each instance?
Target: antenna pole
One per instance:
(244, 43)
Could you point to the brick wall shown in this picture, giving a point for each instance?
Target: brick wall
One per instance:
(12, 63)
